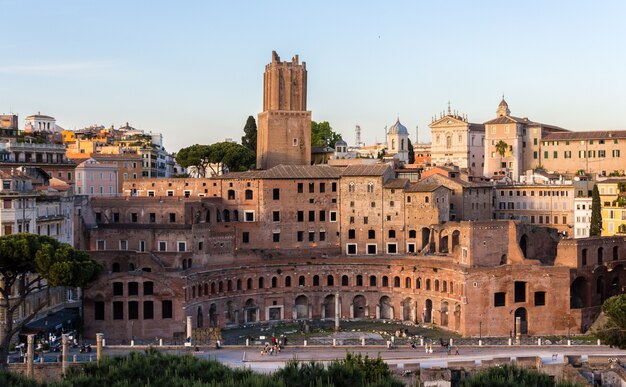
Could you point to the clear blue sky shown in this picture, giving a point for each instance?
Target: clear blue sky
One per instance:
(193, 69)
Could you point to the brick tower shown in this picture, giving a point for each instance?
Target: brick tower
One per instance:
(284, 125)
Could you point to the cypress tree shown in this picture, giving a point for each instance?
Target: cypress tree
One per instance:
(596, 213)
(249, 138)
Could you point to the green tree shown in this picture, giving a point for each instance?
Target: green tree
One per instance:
(411, 152)
(596, 213)
(216, 158)
(323, 134)
(501, 148)
(249, 138)
(194, 156)
(31, 263)
(613, 332)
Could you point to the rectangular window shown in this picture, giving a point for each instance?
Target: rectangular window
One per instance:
(300, 236)
(276, 216)
(351, 248)
(172, 217)
(116, 217)
(365, 220)
(371, 234)
(276, 194)
(322, 187)
(311, 216)
(100, 245)
(392, 248)
(142, 246)
(410, 247)
(148, 310)
(248, 216)
(333, 187)
(118, 310)
(148, 288)
(133, 288)
(499, 299)
(98, 310)
(162, 246)
(152, 217)
(311, 187)
(276, 237)
(245, 237)
(133, 310)
(351, 234)
(333, 216)
(322, 216)
(555, 154)
(520, 291)
(166, 309)
(300, 216)
(322, 236)
(123, 245)
(182, 246)
(545, 154)
(118, 288)
(300, 187)
(540, 298)
(372, 249)
(311, 236)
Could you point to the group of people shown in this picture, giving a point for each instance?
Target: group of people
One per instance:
(275, 347)
(428, 347)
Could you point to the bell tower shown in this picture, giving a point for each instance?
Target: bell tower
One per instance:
(284, 125)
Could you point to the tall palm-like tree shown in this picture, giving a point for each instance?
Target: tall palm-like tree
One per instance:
(501, 148)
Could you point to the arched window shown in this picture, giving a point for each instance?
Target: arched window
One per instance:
(351, 187)
(428, 284)
(316, 280)
(213, 287)
(372, 280)
(131, 266)
(370, 187)
(408, 199)
(274, 282)
(407, 283)
(385, 281)
(393, 144)
(444, 287)
(396, 282)
(226, 216)
(402, 144)
(344, 280)
(249, 194)
(220, 287)
(248, 284)
(449, 142)
(600, 255)
(301, 281)
(451, 287)
(418, 283)
(116, 267)
(206, 289)
(436, 285)
(288, 281)
(239, 284)
(231, 194)
(261, 282)
(235, 216)
(330, 280)
(426, 199)
(359, 280)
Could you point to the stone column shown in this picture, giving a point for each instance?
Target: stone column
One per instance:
(188, 329)
(337, 312)
(30, 355)
(64, 351)
(99, 344)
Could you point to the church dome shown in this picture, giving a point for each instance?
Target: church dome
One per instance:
(398, 128)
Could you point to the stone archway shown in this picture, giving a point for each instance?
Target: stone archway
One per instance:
(523, 326)
(213, 315)
(386, 309)
(250, 311)
(229, 313)
(302, 307)
(199, 318)
(579, 294)
(523, 245)
(407, 309)
(425, 237)
(428, 311)
(329, 306)
(456, 239)
(359, 305)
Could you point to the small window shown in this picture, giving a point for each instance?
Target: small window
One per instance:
(148, 288)
(133, 310)
(249, 194)
(372, 249)
(118, 289)
(118, 310)
(133, 288)
(520, 291)
(276, 237)
(172, 217)
(245, 237)
(166, 309)
(99, 310)
(540, 298)
(300, 187)
(276, 216)
(148, 310)
(351, 248)
(182, 247)
(330, 280)
(276, 194)
(311, 187)
(344, 280)
(499, 299)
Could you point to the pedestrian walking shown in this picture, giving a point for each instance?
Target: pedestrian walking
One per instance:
(456, 350)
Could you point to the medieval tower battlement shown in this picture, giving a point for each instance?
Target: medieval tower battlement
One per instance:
(284, 125)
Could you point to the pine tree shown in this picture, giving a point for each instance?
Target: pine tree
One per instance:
(249, 138)
(596, 213)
